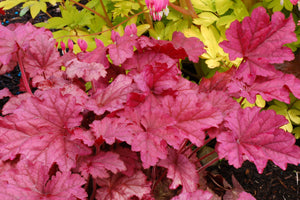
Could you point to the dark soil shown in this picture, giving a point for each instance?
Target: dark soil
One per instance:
(273, 184)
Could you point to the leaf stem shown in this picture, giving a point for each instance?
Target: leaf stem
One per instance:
(208, 164)
(92, 197)
(23, 74)
(159, 179)
(198, 148)
(105, 13)
(98, 33)
(191, 8)
(183, 11)
(205, 156)
(96, 13)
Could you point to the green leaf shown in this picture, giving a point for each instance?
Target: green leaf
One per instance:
(24, 11)
(204, 5)
(296, 132)
(142, 29)
(294, 115)
(205, 19)
(223, 5)
(8, 4)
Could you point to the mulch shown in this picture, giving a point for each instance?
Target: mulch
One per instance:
(272, 184)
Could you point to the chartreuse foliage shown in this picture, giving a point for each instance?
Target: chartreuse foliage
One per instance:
(35, 6)
(291, 112)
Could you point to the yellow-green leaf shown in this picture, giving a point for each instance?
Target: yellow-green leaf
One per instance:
(205, 19)
(294, 115)
(142, 29)
(223, 5)
(205, 5)
(8, 4)
(296, 132)
(260, 102)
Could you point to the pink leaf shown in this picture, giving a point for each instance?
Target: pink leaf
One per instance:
(253, 36)
(121, 49)
(5, 93)
(277, 87)
(111, 129)
(121, 187)
(255, 136)
(40, 129)
(181, 171)
(192, 46)
(98, 55)
(113, 97)
(149, 131)
(245, 196)
(130, 159)
(193, 114)
(42, 58)
(8, 45)
(198, 194)
(87, 71)
(33, 182)
(99, 165)
(157, 78)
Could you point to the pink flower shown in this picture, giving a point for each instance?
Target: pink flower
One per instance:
(158, 8)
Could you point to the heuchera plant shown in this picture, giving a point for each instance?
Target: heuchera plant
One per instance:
(141, 122)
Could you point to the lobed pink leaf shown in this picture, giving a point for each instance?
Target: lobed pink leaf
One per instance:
(193, 47)
(250, 39)
(40, 129)
(111, 129)
(121, 49)
(33, 182)
(42, 58)
(99, 165)
(193, 114)
(86, 71)
(111, 98)
(181, 171)
(149, 129)
(255, 136)
(122, 187)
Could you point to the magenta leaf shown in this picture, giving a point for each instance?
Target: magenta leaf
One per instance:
(111, 98)
(121, 49)
(181, 171)
(8, 45)
(33, 182)
(192, 46)
(196, 195)
(245, 196)
(150, 133)
(5, 93)
(86, 71)
(42, 58)
(111, 129)
(255, 136)
(122, 187)
(277, 87)
(250, 39)
(157, 78)
(41, 128)
(130, 159)
(98, 165)
(193, 114)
